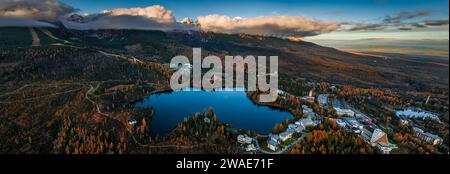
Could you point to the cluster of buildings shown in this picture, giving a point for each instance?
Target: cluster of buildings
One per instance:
(351, 119)
(275, 139)
(426, 136)
(350, 123)
(298, 127)
(405, 116)
(358, 123)
(377, 138)
(247, 142)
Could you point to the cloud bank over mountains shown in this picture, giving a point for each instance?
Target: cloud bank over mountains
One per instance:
(158, 18)
(49, 10)
(156, 13)
(31, 12)
(45, 13)
(149, 18)
(280, 26)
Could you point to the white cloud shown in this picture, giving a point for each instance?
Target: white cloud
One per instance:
(125, 22)
(32, 13)
(156, 13)
(48, 10)
(149, 18)
(280, 26)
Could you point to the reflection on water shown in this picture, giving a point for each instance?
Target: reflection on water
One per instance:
(232, 107)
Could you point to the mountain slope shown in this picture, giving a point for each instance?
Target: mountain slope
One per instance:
(296, 59)
(59, 87)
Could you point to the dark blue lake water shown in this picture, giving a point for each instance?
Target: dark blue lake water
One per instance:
(232, 107)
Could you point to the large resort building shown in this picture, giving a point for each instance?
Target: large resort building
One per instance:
(343, 112)
(379, 139)
(427, 137)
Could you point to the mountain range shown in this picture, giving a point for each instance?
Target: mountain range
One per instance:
(299, 59)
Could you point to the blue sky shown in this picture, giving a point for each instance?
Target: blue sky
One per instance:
(355, 11)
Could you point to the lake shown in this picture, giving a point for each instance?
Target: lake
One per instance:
(231, 107)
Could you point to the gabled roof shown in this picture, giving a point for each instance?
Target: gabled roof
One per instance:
(379, 136)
